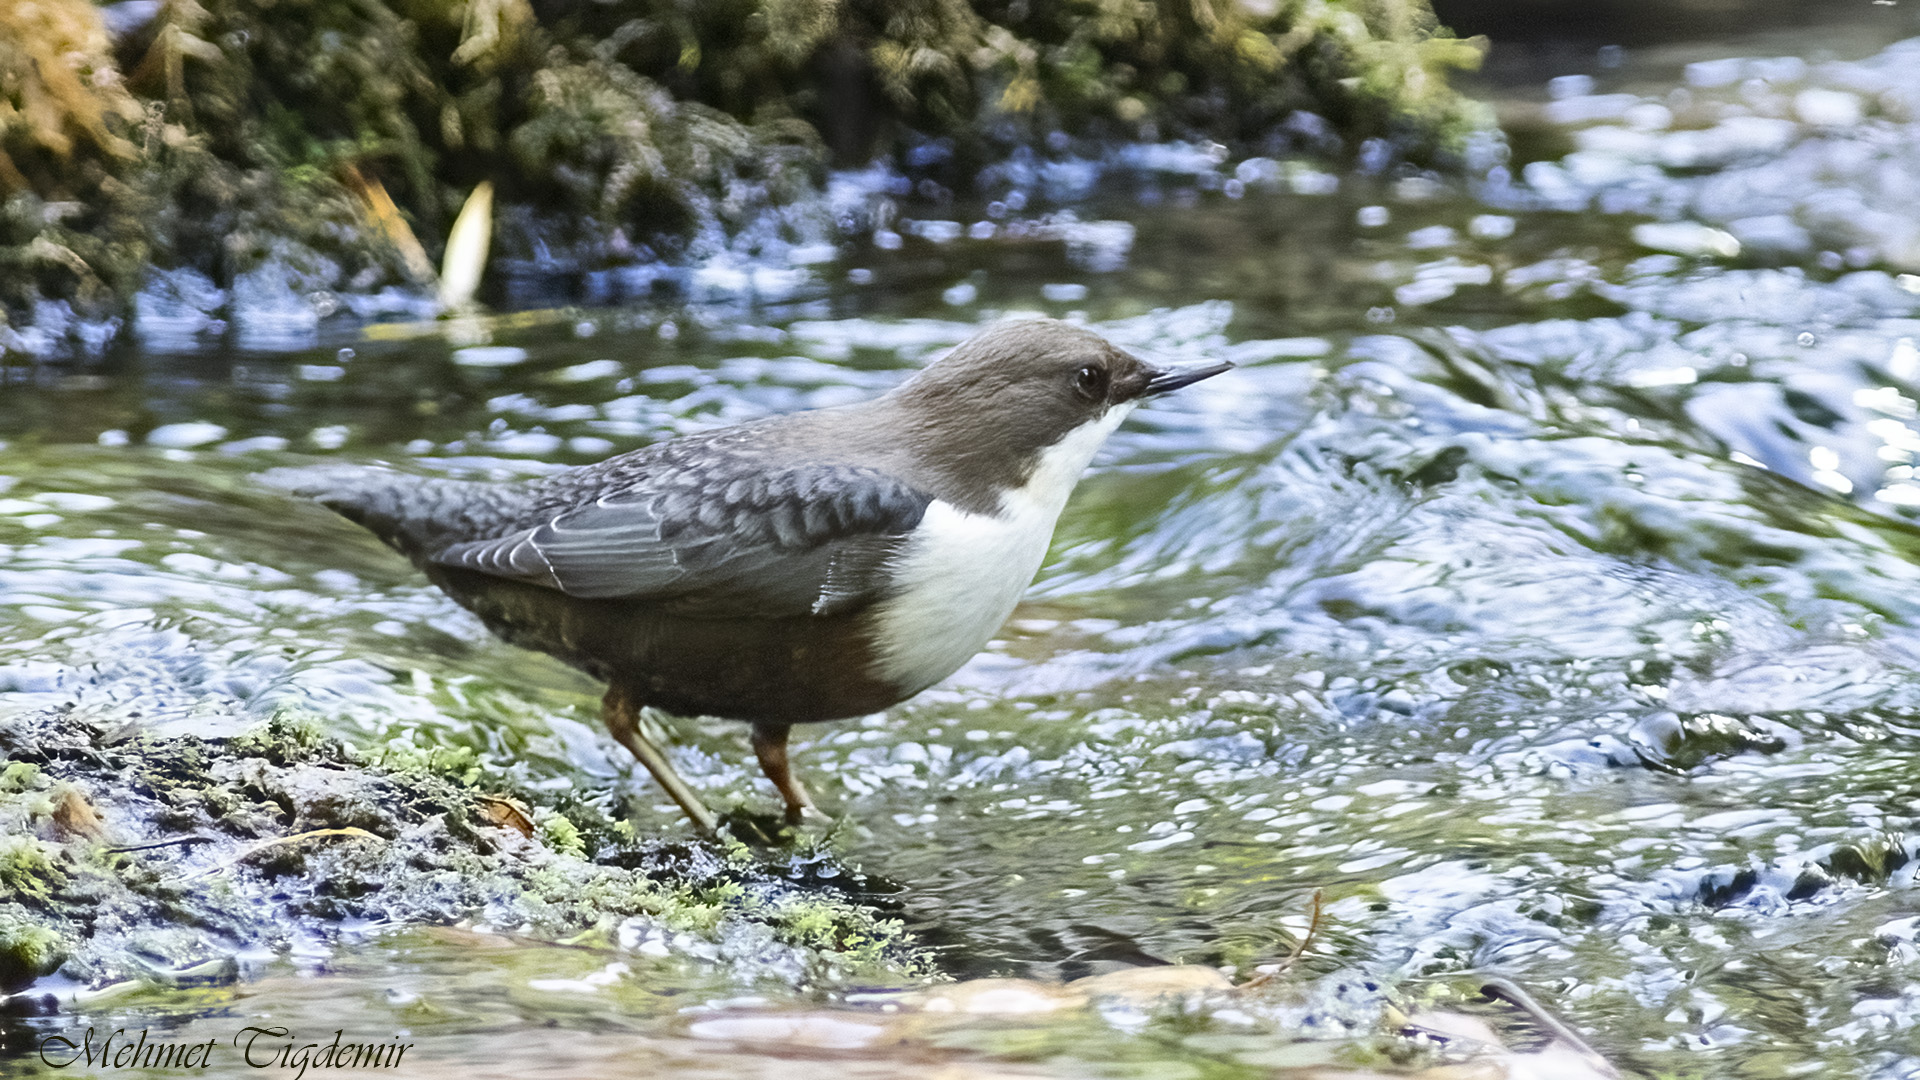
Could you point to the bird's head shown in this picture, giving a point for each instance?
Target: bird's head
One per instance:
(1034, 397)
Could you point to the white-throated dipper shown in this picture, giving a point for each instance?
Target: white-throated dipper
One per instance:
(814, 566)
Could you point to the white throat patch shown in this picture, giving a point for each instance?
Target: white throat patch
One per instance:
(962, 573)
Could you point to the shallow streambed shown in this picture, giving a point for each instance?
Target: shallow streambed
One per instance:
(1548, 603)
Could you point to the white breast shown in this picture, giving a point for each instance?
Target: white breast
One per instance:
(962, 573)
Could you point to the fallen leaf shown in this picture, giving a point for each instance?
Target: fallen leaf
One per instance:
(74, 816)
(506, 814)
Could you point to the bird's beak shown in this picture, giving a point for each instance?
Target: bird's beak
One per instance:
(1162, 378)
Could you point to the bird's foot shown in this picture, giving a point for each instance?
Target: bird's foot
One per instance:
(809, 816)
(776, 830)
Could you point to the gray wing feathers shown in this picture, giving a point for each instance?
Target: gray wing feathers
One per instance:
(803, 539)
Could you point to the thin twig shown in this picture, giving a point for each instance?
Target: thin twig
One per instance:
(255, 849)
(1299, 950)
(175, 842)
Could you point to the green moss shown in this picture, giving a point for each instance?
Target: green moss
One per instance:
(21, 776)
(28, 949)
(27, 869)
(810, 924)
(459, 763)
(830, 925)
(559, 834)
(285, 738)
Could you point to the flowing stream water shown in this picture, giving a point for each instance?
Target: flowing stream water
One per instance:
(1543, 589)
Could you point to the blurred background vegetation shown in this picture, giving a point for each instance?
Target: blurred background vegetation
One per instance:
(341, 136)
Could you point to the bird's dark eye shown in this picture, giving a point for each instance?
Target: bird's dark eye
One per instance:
(1091, 382)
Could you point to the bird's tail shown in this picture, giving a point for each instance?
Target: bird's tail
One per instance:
(415, 515)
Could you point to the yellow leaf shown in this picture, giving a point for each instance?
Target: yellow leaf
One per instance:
(1021, 95)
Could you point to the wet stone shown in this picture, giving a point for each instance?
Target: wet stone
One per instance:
(202, 848)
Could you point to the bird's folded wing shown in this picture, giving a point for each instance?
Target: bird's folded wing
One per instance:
(716, 543)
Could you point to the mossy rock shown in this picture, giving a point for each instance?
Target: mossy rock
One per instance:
(28, 950)
(193, 847)
(224, 131)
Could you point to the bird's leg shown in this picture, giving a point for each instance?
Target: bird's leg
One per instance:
(623, 721)
(770, 746)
